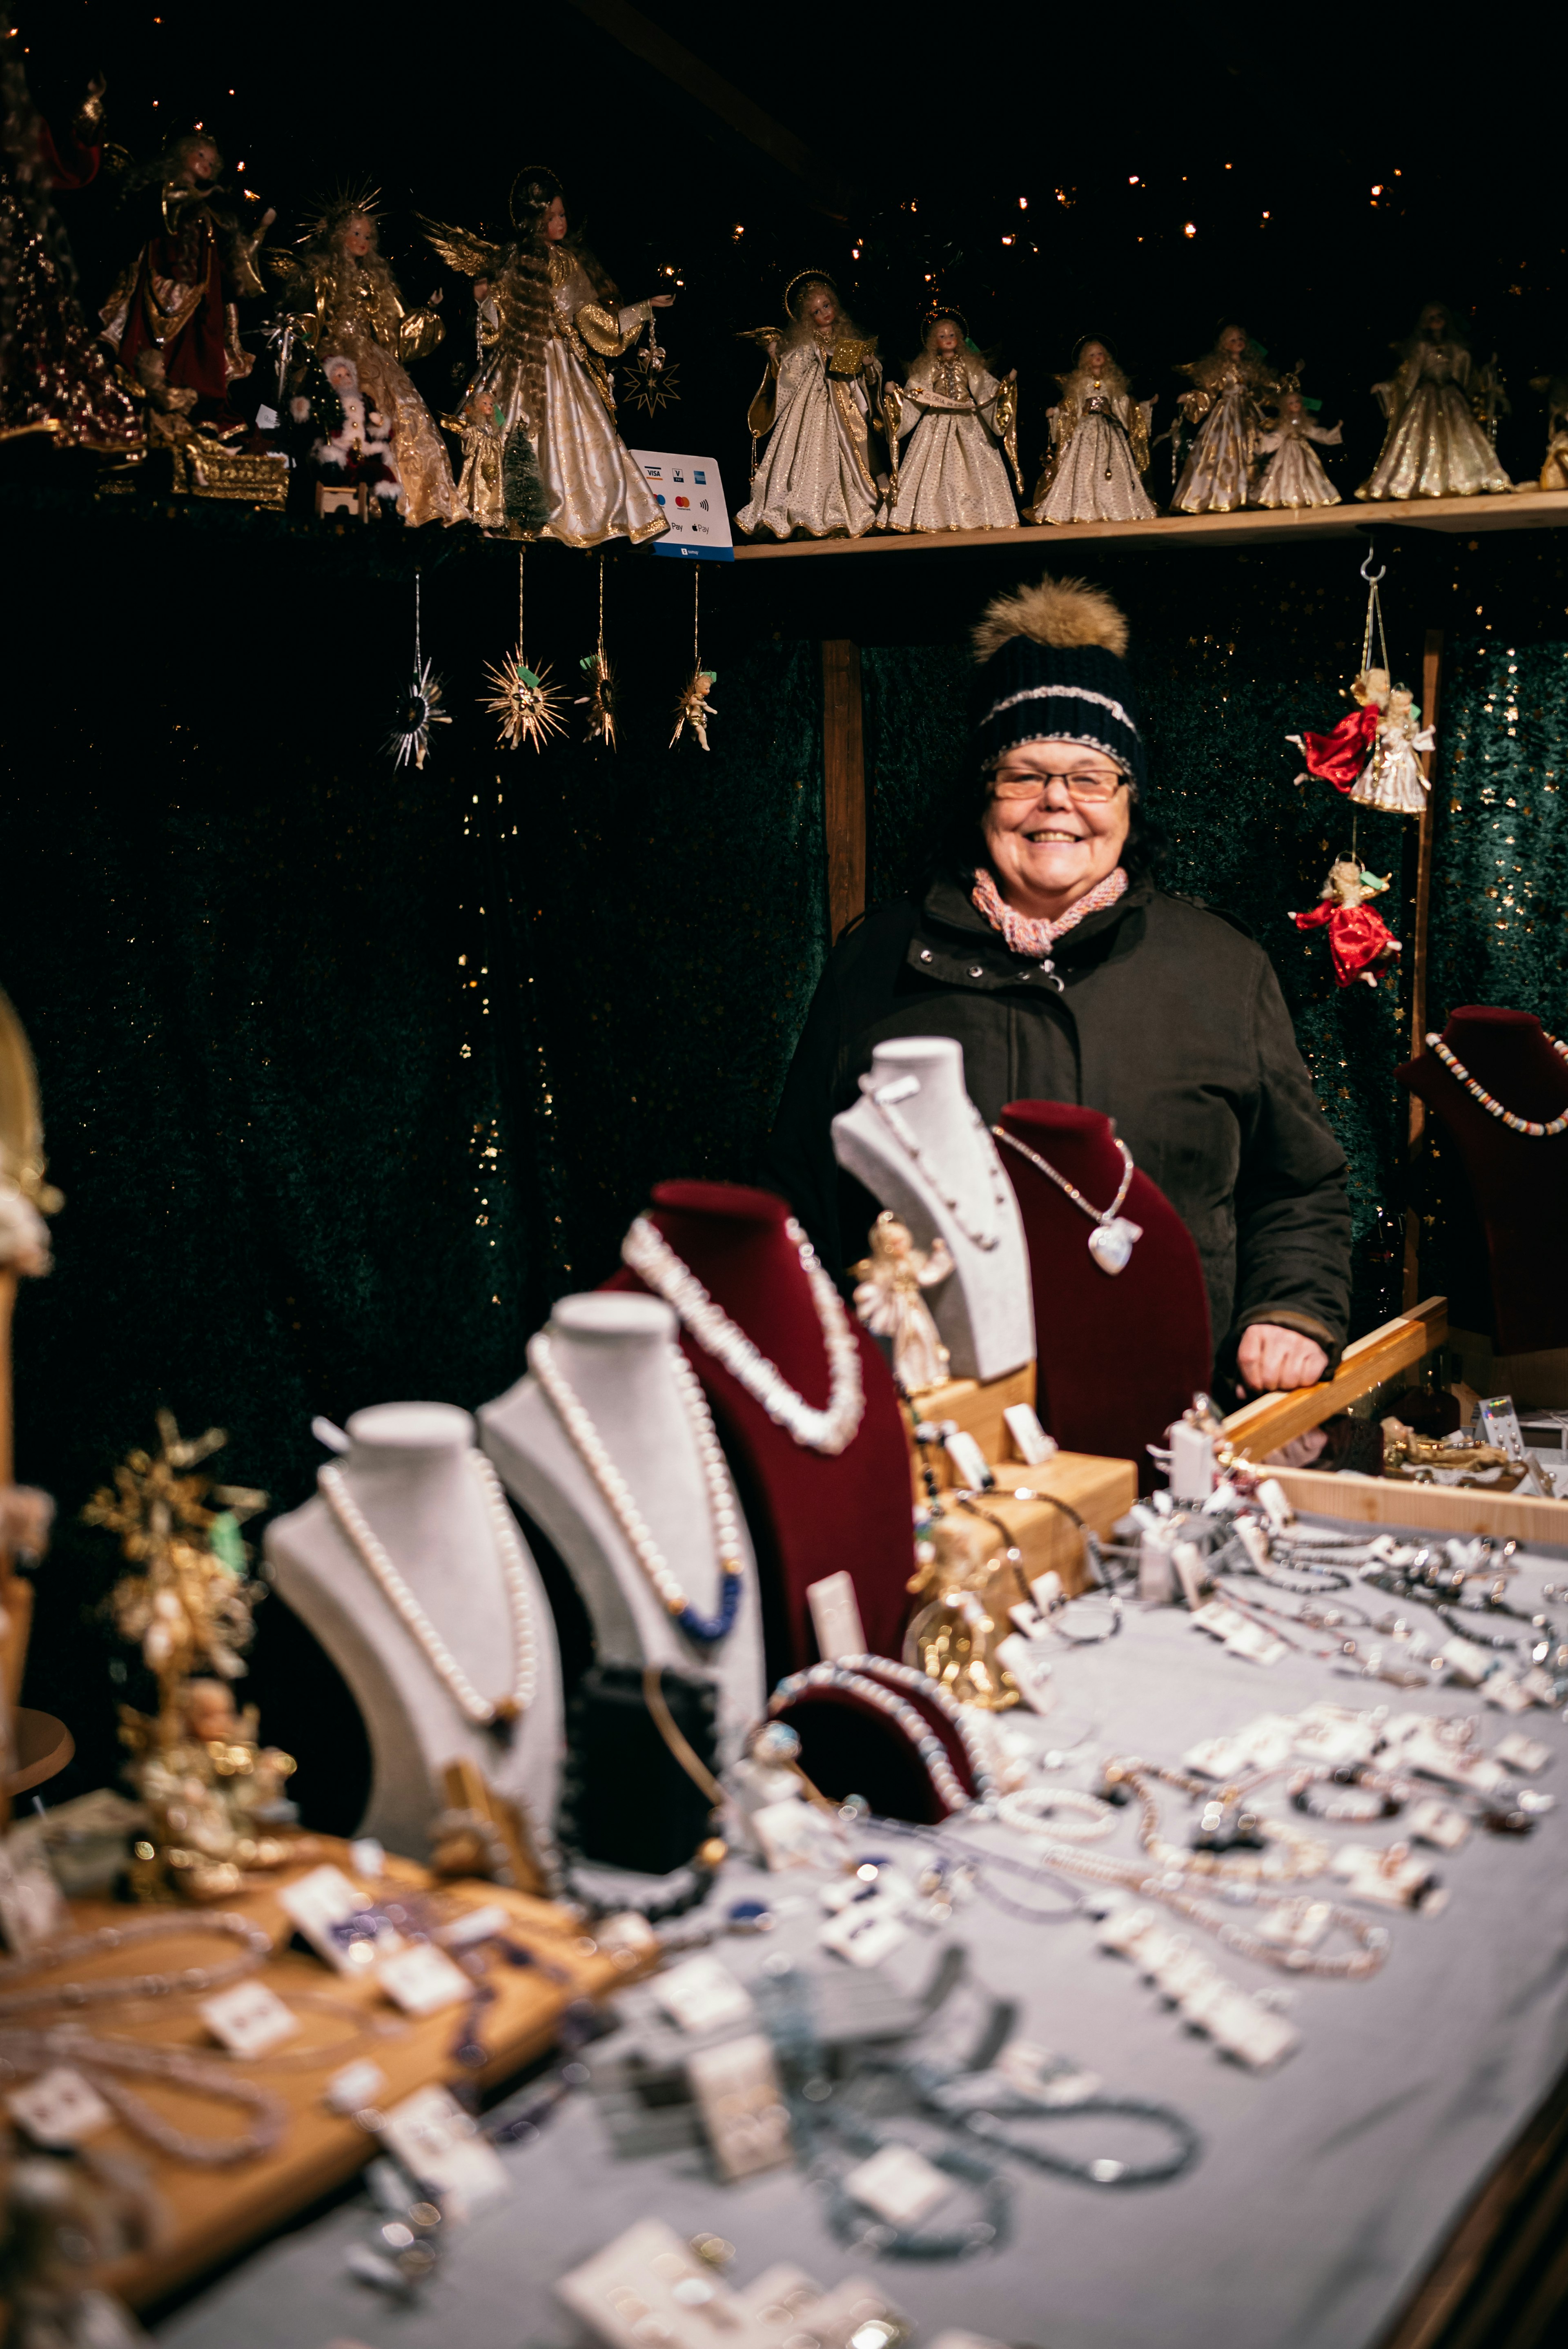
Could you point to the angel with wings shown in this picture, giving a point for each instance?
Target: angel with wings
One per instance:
(543, 457)
(341, 298)
(822, 401)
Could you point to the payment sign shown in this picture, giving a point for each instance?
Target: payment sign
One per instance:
(691, 499)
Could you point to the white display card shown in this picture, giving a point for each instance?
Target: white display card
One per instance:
(1439, 1825)
(1022, 1423)
(319, 1901)
(248, 2019)
(1509, 1695)
(899, 2184)
(1469, 1664)
(1220, 1622)
(358, 2088)
(1190, 1572)
(864, 1934)
(836, 1617)
(691, 499)
(970, 1462)
(476, 1925)
(59, 2108)
(32, 1906)
(1388, 1883)
(743, 2110)
(439, 2145)
(1256, 1645)
(422, 1979)
(1030, 1670)
(1332, 1734)
(702, 1995)
(1156, 1576)
(1522, 1753)
(649, 2278)
(1192, 1463)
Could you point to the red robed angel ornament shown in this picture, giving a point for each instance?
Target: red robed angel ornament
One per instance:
(1359, 940)
(1340, 756)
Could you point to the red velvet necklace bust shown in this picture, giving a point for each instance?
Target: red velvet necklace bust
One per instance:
(1520, 1180)
(811, 1514)
(1119, 1355)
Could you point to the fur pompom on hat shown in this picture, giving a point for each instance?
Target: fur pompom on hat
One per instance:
(1051, 667)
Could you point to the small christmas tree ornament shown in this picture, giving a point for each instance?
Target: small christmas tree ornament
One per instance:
(410, 737)
(1359, 941)
(694, 709)
(600, 679)
(525, 705)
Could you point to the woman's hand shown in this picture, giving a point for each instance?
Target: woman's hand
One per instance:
(1271, 1360)
(661, 301)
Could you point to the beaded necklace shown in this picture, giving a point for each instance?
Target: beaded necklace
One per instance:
(1490, 1102)
(590, 1448)
(98, 2059)
(854, 1676)
(881, 1096)
(649, 1255)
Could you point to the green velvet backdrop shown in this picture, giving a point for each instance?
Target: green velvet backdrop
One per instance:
(348, 1070)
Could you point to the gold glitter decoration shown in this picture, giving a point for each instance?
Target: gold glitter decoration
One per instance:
(527, 706)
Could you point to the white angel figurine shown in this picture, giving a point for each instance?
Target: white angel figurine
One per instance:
(1293, 475)
(889, 1302)
(959, 420)
(820, 404)
(1391, 779)
(1099, 445)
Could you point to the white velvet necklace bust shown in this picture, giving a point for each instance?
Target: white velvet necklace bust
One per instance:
(613, 1350)
(985, 1310)
(407, 1472)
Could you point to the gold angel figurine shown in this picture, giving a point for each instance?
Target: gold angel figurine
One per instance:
(694, 709)
(959, 420)
(1553, 390)
(1391, 779)
(1295, 475)
(888, 1301)
(1099, 445)
(820, 401)
(340, 297)
(1433, 448)
(1227, 383)
(551, 321)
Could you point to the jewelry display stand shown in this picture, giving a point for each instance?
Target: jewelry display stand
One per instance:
(1120, 1354)
(1519, 1181)
(984, 1309)
(812, 1513)
(407, 1472)
(612, 1351)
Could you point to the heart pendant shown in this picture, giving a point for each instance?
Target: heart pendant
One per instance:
(1110, 1244)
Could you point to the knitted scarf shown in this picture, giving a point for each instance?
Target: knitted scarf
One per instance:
(1035, 938)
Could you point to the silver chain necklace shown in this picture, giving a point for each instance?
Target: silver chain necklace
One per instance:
(1110, 1242)
(904, 1134)
(832, 1430)
(500, 1715)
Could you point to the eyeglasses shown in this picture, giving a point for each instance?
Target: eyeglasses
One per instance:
(1090, 791)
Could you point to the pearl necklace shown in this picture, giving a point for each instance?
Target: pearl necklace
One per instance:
(904, 1134)
(25, 2051)
(613, 1487)
(650, 1256)
(854, 1676)
(500, 1715)
(1110, 1242)
(255, 1946)
(1490, 1102)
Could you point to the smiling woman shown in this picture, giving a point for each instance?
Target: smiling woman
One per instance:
(1044, 947)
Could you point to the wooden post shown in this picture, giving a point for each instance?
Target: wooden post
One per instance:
(1431, 686)
(844, 783)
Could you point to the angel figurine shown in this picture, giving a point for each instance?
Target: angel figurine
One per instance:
(694, 709)
(1294, 474)
(341, 298)
(819, 401)
(1099, 445)
(1340, 756)
(176, 294)
(1433, 448)
(1227, 386)
(888, 1301)
(1554, 389)
(551, 321)
(960, 419)
(1360, 942)
(1391, 779)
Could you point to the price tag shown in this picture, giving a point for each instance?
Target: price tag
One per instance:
(1258, 1646)
(422, 1979)
(1469, 1664)
(319, 1901)
(1190, 1572)
(356, 2088)
(743, 2110)
(60, 2108)
(249, 2019)
(1386, 1881)
(703, 1995)
(1296, 1924)
(32, 1906)
(1522, 1753)
(836, 1617)
(899, 2184)
(1328, 1733)
(1439, 1825)
(437, 2143)
(479, 1925)
(970, 1462)
(1029, 1669)
(1030, 1438)
(1222, 1622)
(865, 1934)
(1254, 2034)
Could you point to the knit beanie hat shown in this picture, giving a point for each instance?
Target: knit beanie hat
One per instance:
(1051, 669)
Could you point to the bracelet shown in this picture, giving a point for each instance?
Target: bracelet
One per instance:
(1031, 1806)
(1186, 2145)
(1087, 1638)
(1385, 1802)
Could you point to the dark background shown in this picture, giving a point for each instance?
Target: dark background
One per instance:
(348, 1070)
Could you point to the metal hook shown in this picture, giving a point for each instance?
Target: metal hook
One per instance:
(1372, 578)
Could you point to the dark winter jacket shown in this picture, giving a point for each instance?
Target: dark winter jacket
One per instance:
(1168, 1019)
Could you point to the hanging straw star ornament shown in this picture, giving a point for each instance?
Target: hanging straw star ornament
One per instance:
(410, 737)
(526, 705)
(599, 698)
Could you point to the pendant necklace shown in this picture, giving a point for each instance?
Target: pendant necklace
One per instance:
(1490, 1102)
(589, 1445)
(500, 1715)
(832, 1430)
(881, 1099)
(1110, 1242)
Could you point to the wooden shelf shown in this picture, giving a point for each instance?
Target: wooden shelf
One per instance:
(1525, 509)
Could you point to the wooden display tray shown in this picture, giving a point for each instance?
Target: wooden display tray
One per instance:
(208, 2215)
(1269, 1420)
(1101, 1490)
(977, 1405)
(1440, 1508)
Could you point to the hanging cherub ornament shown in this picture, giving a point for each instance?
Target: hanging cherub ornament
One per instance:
(694, 709)
(1392, 779)
(1340, 756)
(888, 1301)
(1359, 941)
